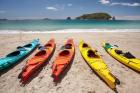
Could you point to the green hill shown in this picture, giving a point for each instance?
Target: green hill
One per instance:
(97, 16)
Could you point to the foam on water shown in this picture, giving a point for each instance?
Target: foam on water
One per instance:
(68, 31)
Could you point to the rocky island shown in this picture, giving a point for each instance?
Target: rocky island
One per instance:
(96, 16)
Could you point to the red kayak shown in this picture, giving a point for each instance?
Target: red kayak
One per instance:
(63, 59)
(37, 61)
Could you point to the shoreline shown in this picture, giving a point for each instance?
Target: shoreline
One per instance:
(69, 31)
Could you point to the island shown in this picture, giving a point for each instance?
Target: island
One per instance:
(46, 19)
(3, 19)
(68, 18)
(113, 18)
(96, 16)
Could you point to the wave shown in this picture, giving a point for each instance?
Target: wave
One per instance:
(69, 31)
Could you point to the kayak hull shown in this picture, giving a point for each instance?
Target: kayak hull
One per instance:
(97, 64)
(17, 55)
(37, 61)
(132, 63)
(63, 59)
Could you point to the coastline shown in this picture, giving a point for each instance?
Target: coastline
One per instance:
(80, 78)
(68, 31)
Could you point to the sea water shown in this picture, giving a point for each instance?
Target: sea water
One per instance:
(54, 25)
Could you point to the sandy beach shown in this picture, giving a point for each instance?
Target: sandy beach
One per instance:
(80, 78)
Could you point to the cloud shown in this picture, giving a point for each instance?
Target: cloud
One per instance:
(58, 7)
(69, 4)
(107, 2)
(126, 4)
(104, 1)
(52, 8)
(2, 11)
(128, 17)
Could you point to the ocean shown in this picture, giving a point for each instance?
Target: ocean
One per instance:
(54, 25)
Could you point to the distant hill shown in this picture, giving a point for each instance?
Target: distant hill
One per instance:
(97, 16)
(3, 19)
(46, 19)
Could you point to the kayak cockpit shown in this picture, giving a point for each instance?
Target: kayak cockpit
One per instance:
(92, 54)
(85, 45)
(48, 45)
(119, 51)
(64, 53)
(28, 45)
(127, 54)
(68, 46)
(15, 53)
(41, 53)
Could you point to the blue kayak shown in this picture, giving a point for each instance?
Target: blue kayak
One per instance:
(17, 55)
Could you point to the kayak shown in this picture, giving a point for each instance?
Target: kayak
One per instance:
(17, 55)
(96, 63)
(63, 59)
(126, 58)
(37, 61)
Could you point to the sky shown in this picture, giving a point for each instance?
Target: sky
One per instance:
(61, 9)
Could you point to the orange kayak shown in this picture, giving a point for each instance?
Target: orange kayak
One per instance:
(37, 61)
(63, 60)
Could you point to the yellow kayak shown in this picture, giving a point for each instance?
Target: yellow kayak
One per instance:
(97, 64)
(126, 58)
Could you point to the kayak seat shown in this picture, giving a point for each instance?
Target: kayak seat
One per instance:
(41, 53)
(28, 45)
(85, 45)
(92, 54)
(48, 45)
(128, 55)
(15, 53)
(64, 53)
(119, 52)
(68, 46)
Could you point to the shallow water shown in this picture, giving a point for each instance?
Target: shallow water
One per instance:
(51, 25)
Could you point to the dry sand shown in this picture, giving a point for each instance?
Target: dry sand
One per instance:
(79, 78)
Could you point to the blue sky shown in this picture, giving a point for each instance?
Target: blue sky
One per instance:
(60, 9)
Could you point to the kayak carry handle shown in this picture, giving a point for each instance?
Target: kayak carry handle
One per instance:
(116, 46)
